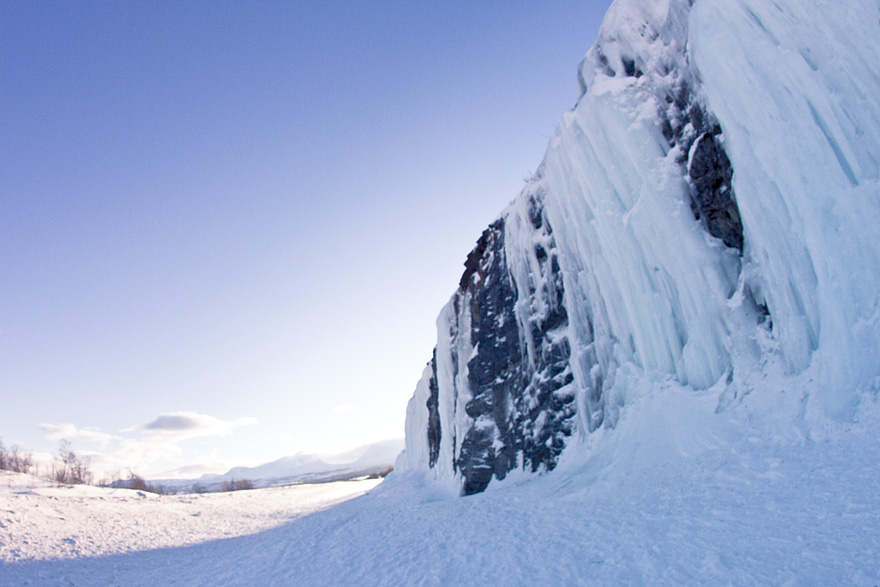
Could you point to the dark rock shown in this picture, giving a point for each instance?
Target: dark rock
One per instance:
(630, 68)
(522, 406)
(686, 124)
(434, 431)
(711, 176)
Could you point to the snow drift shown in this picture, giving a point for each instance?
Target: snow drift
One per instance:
(707, 209)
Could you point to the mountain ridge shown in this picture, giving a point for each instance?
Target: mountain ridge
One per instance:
(375, 459)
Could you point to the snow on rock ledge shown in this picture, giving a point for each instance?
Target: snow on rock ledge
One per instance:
(716, 185)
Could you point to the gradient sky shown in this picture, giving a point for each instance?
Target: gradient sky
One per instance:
(227, 228)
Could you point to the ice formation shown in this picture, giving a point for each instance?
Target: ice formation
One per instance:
(711, 200)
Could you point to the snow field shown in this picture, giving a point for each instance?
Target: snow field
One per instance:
(39, 521)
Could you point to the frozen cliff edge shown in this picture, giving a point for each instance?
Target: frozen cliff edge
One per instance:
(712, 200)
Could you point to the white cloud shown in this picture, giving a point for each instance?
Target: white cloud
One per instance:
(70, 432)
(139, 448)
(183, 425)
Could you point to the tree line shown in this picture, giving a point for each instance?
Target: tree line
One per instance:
(69, 468)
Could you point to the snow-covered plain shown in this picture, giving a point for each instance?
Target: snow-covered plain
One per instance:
(42, 521)
(763, 493)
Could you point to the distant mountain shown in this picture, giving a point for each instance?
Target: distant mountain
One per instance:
(369, 460)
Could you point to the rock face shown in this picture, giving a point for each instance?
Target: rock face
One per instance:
(667, 220)
(711, 175)
(514, 386)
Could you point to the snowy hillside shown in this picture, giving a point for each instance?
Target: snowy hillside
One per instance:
(709, 207)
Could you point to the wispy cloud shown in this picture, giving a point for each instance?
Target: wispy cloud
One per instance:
(69, 431)
(192, 424)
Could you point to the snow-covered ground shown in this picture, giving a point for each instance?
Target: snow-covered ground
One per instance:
(40, 521)
(766, 492)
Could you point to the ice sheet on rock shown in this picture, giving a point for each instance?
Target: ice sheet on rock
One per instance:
(650, 287)
(795, 87)
(714, 198)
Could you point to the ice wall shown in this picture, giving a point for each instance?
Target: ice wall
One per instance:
(716, 184)
(652, 286)
(796, 87)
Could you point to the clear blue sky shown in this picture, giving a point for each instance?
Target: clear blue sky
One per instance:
(227, 228)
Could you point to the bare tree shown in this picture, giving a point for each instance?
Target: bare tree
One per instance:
(16, 459)
(69, 468)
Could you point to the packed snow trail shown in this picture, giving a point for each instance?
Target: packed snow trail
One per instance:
(677, 494)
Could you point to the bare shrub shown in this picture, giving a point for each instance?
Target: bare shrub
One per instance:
(20, 461)
(69, 468)
(237, 485)
(137, 482)
(16, 459)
